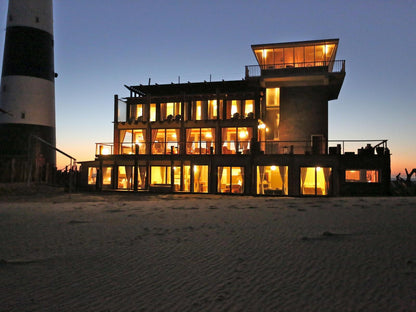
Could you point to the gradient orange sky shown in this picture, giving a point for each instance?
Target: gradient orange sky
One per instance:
(102, 45)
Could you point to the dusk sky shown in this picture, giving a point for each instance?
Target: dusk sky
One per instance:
(101, 45)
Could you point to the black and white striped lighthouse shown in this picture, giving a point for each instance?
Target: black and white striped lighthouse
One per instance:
(27, 94)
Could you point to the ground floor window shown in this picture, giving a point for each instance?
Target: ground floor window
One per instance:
(315, 180)
(126, 177)
(362, 176)
(272, 180)
(92, 175)
(160, 175)
(200, 178)
(231, 180)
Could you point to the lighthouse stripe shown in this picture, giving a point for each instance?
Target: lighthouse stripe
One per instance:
(28, 52)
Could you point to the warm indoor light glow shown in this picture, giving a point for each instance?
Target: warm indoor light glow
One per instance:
(273, 168)
(105, 151)
(234, 108)
(243, 134)
(262, 126)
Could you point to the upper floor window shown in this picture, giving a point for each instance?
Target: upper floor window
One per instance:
(152, 116)
(272, 97)
(297, 56)
(236, 140)
(132, 139)
(233, 109)
(249, 108)
(168, 111)
(165, 141)
(212, 109)
(200, 140)
(136, 111)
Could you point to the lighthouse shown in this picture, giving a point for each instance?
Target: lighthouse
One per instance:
(27, 92)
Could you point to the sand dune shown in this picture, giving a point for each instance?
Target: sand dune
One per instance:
(207, 253)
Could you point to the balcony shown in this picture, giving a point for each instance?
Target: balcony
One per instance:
(270, 147)
(283, 69)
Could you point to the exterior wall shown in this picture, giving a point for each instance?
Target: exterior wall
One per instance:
(303, 112)
(294, 163)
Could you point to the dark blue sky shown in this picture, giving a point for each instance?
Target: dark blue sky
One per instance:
(100, 45)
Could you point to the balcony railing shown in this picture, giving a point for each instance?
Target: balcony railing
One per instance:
(337, 66)
(269, 147)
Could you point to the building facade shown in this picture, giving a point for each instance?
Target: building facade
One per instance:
(266, 134)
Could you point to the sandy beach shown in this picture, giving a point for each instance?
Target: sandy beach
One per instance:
(134, 252)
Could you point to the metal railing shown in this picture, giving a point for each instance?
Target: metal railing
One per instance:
(269, 147)
(337, 66)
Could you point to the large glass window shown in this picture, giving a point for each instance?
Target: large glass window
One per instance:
(212, 109)
(289, 57)
(299, 56)
(272, 180)
(92, 175)
(165, 141)
(272, 97)
(168, 111)
(177, 178)
(107, 174)
(362, 176)
(231, 180)
(160, 175)
(197, 110)
(315, 180)
(136, 111)
(132, 138)
(152, 116)
(200, 178)
(200, 140)
(186, 178)
(126, 177)
(233, 109)
(236, 140)
(249, 108)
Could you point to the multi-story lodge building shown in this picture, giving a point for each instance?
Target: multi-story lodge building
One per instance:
(266, 134)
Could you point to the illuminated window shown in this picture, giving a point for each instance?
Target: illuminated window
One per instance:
(136, 111)
(125, 177)
(212, 109)
(152, 116)
(231, 180)
(165, 141)
(299, 57)
(160, 175)
(315, 180)
(168, 111)
(132, 138)
(200, 140)
(200, 178)
(273, 97)
(198, 110)
(92, 175)
(236, 139)
(248, 107)
(233, 109)
(272, 180)
(362, 176)
(186, 178)
(289, 57)
(107, 173)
